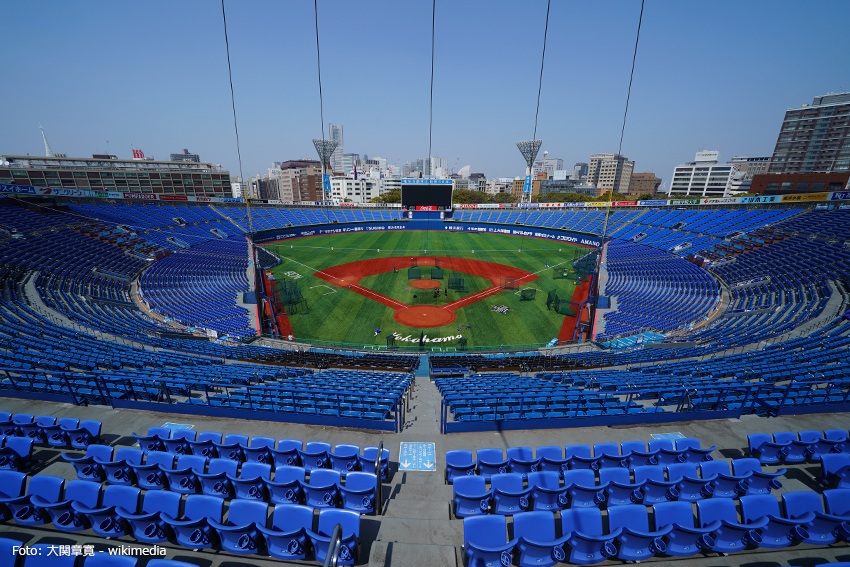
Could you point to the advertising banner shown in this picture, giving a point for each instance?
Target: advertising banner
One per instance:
(526, 186)
(653, 203)
(762, 199)
(59, 192)
(346, 228)
(805, 197)
(721, 201)
(140, 196)
(18, 189)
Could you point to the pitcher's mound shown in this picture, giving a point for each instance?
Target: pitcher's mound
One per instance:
(424, 284)
(424, 316)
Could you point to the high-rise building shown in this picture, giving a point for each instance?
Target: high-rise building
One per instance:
(704, 177)
(298, 180)
(643, 184)
(815, 138)
(610, 172)
(335, 134)
(348, 163)
(747, 168)
(547, 165)
(579, 171)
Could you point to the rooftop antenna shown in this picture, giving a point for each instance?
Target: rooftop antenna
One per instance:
(47, 151)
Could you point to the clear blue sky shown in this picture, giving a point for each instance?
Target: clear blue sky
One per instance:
(153, 75)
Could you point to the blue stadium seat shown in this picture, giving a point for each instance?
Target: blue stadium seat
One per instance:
(328, 519)
(286, 486)
(731, 535)
(216, 481)
(536, 540)
(780, 531)
(251, 482)
(588, 541)
(286, 538)
(637, 542)
(684, 538)
(148, 526)
(546, 491)
(322, 488)
(104, 519)
(471, 496)
(509, 494)
(192, 528)
(485, 541)
(239, 533)
(491, 461)
(459, 462)
(41, 489)
(359, 491)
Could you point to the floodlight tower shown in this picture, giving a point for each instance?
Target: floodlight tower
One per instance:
(528, 149)
(325, 149)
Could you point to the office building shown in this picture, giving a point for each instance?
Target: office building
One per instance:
(349, 190)
(643, 184)
(610, 172)
(185, 156)
(106, 173)
(547, 165)
(335, 134)
(703, 177)
(519, 183)
(499, 185)
(298, 180)
(579, 171)
(800, 183)
(815, 138)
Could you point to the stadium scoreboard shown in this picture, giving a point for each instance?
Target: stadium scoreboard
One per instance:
(426, 194)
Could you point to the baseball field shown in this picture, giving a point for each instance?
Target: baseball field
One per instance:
(426, 288)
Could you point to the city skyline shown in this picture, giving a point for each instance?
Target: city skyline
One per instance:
(161, 84)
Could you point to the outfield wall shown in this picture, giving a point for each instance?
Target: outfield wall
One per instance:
(569, 237)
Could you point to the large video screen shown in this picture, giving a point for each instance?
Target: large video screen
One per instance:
(426, 194)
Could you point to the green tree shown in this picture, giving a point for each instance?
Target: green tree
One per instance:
(467, 196)
(561, 198)
(646, 197)
(502, 198)
(391, 196)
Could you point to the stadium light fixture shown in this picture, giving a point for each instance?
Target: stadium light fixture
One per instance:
(325, 148)
(528, 149)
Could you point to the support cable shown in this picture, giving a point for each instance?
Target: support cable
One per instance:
(542, 59)
(431, 99)
(235, 124)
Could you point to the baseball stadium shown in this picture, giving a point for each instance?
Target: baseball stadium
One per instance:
(224, 384)
(296, 369)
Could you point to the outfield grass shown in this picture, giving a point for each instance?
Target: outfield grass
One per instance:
(337, 314)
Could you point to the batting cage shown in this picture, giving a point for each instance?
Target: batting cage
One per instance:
(527, 294)
(456, 283)
(559, 304)
(436, 273)
(414, 273)
(288, 294)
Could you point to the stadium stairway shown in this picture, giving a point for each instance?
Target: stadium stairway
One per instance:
(417, 528)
